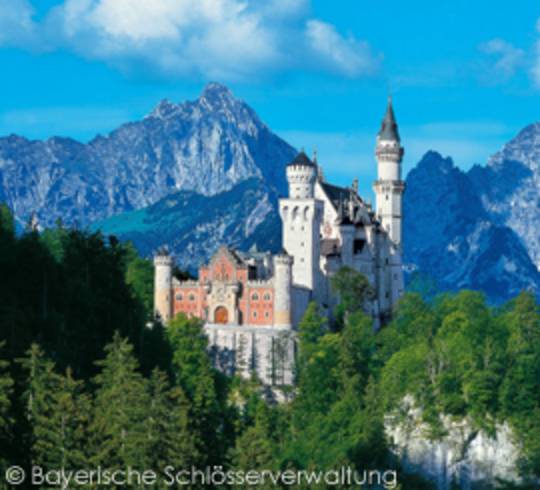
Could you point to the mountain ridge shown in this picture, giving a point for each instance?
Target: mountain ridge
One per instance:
(207, 145)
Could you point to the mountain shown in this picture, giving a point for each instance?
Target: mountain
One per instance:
(509, 187)
(194, 226)
(206, 146)
(455, 236)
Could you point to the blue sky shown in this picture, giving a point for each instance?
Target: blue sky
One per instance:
(465, 76)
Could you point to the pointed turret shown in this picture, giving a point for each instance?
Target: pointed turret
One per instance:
(389, 128)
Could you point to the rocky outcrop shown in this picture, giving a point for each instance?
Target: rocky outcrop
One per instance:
(465, 457)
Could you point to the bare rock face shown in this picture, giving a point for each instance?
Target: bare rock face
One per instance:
(454, 234)
(465, 458)
(510, 188)
(206, 146)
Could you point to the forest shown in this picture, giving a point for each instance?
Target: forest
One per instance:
(89, 379)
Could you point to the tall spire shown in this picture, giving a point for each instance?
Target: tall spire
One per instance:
(389, 128)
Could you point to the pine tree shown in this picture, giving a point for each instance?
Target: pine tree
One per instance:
(171, 439)
(121, 403)
(6, 390)
(6, 423)
(70, 421)
(254, 449)
(197, 378)
(42, 385)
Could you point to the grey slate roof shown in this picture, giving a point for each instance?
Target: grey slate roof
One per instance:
(389, 128)
(302, 159)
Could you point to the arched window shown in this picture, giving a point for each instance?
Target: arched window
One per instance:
(179, 297)
(267, 296)
(192, 297)
(255, 297)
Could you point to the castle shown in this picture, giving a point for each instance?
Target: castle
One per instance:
(251, 302)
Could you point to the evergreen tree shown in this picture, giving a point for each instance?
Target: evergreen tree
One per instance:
(121, 405)
(171, 439)
(6, 422)
(70, 420)
(39, 397)
(254, 449)
(195, 375)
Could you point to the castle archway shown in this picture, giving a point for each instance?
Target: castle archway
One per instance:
(221, 315)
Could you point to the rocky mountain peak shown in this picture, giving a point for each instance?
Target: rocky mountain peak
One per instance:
(433, 161)
(214, 91)
(523, 148)
(164, 109)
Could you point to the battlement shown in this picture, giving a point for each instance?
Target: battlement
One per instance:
(260, 283)
(191, 283)
(166, 260)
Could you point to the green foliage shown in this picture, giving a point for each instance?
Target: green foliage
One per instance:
(7, 222)
(58, 411)
(171, 440)
(352, 289)
(119, 437)
(195, 375)
(70, 290)
(140, 276)
(255, 448)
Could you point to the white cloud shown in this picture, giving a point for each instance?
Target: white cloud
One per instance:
(226, 39)
(508, 58)
(16, 25)
(346, 55)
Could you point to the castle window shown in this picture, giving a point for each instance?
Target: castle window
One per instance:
(255, 297)
(267, 315)
(267, 297)
(192, 297)
(254, 314)
(179, 297)
(358, 245)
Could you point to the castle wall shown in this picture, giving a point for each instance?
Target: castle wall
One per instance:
(267, 352)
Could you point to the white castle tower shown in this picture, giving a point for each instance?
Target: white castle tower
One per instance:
(163, 264)
(301, 216)
(283, 290)
(389, 188)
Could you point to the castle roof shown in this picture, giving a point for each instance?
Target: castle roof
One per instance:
(302, 159)
(350, 207)
(389, 127)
